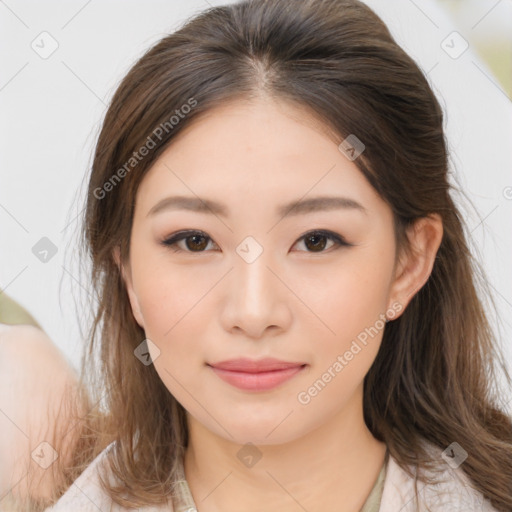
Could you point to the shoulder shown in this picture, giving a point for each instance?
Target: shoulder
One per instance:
(34, 350)
(452, 489)
(87, 495)
(34, 379)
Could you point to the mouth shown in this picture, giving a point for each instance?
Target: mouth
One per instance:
(256, 375)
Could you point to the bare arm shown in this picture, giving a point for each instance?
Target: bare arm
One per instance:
(34, 377)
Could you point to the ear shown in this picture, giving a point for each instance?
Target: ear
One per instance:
(126, 275)
(415, 264)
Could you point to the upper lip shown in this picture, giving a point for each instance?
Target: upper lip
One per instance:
(254, 365)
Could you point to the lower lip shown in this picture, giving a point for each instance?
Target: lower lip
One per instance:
(262, 381)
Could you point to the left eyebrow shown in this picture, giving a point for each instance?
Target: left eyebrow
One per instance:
(297, 207)
(321, 203)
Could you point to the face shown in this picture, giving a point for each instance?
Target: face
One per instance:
(308, 286)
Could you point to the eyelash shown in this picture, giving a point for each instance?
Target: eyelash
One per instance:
(183, 235)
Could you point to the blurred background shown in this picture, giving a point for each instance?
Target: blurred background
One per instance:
(61, 61)
(488, 26)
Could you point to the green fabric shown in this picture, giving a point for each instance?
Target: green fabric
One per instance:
(372, 503)
(13, 313)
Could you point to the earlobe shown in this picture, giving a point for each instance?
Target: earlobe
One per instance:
(116, 255)
(416, 263)
(132, 297)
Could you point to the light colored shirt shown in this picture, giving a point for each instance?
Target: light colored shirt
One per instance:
(394, 487)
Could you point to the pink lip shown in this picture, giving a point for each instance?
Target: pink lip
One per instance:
(256, 375)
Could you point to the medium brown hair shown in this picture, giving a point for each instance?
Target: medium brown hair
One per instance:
(434, 376)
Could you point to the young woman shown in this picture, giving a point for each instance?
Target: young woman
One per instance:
(288, 312)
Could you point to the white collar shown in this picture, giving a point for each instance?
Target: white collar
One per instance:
(452, 490)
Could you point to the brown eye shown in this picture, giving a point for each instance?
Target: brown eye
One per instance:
(316, 241)
(195, 241)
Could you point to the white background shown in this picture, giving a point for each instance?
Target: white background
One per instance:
(51, 111)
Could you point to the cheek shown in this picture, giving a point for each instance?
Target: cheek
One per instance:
(351, 295)
(176, 309)
(174, 319)
(169, 298)
(352, 307)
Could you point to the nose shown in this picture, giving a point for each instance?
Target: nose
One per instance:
(256, 300)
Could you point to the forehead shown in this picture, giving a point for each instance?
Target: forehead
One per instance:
(261, 129)
(252, 152)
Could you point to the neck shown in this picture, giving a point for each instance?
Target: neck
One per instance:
(333, 467)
